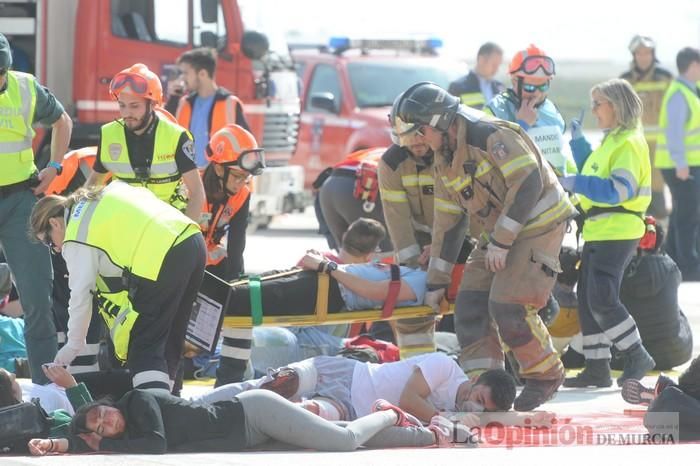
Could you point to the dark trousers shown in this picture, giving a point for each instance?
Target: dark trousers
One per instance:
(684, 222)
(340, 208)
(603, 317)
(164, 307)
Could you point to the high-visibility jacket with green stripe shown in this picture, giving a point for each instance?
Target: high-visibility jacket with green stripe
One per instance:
(136, 231)
(17, 105)
(624, 154)
(164, 178)
(692, 128)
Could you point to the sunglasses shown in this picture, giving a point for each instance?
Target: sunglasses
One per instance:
(532, 63)
(533, 87)
(137, 83)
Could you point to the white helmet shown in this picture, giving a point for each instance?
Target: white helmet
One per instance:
(641, 41)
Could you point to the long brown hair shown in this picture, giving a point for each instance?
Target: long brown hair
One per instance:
(55, 206)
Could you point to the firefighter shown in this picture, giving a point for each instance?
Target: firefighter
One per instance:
(233, 159)
(141, 258)
(650, 81)
(23, 103)
(526, 103)
(406, 186)
(145, 147)
(479, 86)
(207, 107)
(351, 191)
(490, 169)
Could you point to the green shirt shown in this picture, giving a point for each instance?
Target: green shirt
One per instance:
(60, 419)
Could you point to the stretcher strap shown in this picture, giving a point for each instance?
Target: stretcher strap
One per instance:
(393, 294)
(322, 297)
(256, 312)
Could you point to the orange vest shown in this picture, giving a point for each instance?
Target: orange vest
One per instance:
(223, 113)
(217, 221)
(79, 159)
(368, 156)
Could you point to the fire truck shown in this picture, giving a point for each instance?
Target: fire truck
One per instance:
(75, 47)
(348, 87)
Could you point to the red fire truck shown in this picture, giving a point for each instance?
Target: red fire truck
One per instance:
(75, 47)
(348, 89)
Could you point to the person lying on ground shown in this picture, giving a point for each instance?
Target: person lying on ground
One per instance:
(143, 421)
(337, 388)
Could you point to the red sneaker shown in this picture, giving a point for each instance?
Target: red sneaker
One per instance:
(403, 418)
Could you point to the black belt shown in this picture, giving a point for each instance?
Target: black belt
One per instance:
(17, 187)
(344, 172)
(593, 211)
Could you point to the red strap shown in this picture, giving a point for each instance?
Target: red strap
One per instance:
(393, 294)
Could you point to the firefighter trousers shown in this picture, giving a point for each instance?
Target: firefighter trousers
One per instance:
(498, 311)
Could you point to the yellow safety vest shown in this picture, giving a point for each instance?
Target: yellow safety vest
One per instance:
(692, 128)
(626, 153)
(136, 231)
(165, 180)
(17, 105)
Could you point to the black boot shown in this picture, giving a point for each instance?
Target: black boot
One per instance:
(596, 373)
(637, 363)
(536, 392)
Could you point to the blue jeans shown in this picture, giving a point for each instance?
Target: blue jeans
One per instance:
(30, 263)
(277, 346)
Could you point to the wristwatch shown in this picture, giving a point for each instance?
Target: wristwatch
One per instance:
(331, 267)
(57, 166)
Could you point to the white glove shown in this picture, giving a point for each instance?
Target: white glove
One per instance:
(434, 298)
(67, 354)
(495, 258)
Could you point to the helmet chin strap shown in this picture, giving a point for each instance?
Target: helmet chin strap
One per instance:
(225, 181)
(146, 117)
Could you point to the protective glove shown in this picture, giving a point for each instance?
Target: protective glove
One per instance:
(434, 298)
(442, 428)
(577, 127)
(495, 258)
(68, 353)
(568, 183)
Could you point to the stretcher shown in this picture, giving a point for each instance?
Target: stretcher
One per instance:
(220, 292)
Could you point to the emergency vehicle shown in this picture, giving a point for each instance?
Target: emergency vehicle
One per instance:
(75, 47)
(348, 88)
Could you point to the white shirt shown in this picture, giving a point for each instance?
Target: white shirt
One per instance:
(51, 396)
(373, 381)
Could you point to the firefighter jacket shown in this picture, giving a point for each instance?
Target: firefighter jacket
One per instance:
(216, 223)
(468, 89)
(499, 177)
(406, 186)
(650, 86)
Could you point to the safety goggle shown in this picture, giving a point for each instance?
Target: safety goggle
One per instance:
(251, 161)
(532, 63)
(138, 84)
(536, 87)
(401, 127)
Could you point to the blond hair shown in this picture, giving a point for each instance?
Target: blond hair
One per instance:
(624, 100)
(53, 206)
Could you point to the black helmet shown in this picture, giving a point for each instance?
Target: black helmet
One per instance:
(427, 103)
(5, 52)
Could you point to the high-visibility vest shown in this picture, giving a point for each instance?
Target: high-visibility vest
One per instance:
(136, 231)
(165, 180)
(636, 168)
(17, 105)
(216, 222)
(223, 112)
(76, 160)
(692, 128)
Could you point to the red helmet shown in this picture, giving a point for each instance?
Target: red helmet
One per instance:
(233, 146)
(532, 62)
(137, 80)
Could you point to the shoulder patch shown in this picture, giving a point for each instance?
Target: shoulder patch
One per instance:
(188, 149)
(479, 132)
(394, 155)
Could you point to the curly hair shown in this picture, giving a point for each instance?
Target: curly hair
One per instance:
(502, 386)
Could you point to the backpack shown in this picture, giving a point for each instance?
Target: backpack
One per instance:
(20, 423)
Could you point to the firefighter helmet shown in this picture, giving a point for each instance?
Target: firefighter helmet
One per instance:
(426, 103)
(137, 80)
(234, 147)
(530, 63)
(641, 41)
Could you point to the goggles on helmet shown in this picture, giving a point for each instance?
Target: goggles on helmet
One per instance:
(533, 63)
(137, 83)
(251, 161)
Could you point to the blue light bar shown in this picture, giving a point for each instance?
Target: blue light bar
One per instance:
(339, 43)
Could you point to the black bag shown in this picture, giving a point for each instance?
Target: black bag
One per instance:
(20, 423)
